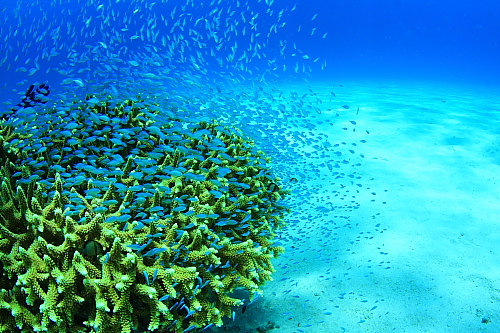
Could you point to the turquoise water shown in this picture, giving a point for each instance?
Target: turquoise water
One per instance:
(385, 115)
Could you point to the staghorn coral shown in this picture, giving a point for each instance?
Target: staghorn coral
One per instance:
(121, 217)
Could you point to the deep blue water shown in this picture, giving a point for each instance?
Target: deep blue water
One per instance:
(454, 41)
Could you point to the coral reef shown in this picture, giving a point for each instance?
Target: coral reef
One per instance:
(119, 216)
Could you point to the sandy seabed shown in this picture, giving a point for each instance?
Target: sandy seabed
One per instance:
(420, 250)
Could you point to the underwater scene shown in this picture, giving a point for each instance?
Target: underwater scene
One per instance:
(249, 166)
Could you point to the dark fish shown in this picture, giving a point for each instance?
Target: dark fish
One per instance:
(294, 180)
(243, 309)
(345, 106)
(272, 187)
(92, 248)
(32, 96)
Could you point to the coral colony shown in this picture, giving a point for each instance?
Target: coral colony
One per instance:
(117, 218)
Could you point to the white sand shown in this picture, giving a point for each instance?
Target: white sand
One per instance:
(429, 262)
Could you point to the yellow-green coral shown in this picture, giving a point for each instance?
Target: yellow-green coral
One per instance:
(177, 214)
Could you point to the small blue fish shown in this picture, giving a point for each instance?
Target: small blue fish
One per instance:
(155, 273)
(154, 251)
